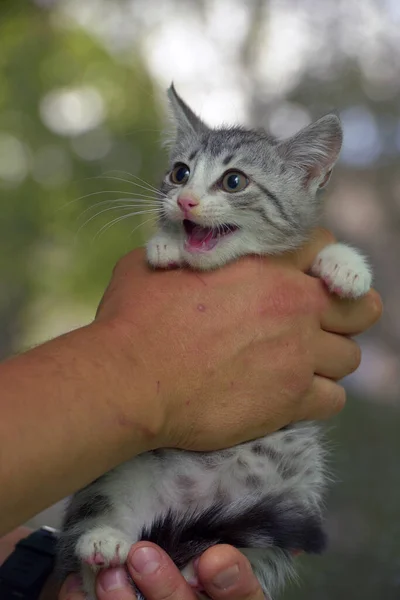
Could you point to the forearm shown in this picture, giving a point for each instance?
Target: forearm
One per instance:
(66, 419)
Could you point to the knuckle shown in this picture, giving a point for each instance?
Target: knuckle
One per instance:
(337, 399)
(353, 358)
(121, 267)
(325, 236)
(375, 306)
(357, 354)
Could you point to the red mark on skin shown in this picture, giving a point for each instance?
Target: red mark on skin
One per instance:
(124, 421)
(158, 387)
(202, 280)
(187, 402)
(201, 307)
(232, 384)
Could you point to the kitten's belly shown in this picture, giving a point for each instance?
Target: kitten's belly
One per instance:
(289, 461)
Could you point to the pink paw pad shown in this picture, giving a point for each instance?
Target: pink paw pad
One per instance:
(327, 280)
(96, 559)
(338, 291)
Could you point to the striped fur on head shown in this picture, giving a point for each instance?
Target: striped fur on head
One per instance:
(279, 206)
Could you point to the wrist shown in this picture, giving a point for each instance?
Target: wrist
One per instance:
(141, 404)
(98, 414)
(30, 572)
(9, 541)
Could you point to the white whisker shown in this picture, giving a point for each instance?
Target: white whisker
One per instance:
(140, 224)
(109, 225)
(129, 181)
(140, 212)
(117, 200)
(104, 192)
(135, 177)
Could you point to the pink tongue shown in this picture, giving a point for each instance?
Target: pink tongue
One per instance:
(201, 238)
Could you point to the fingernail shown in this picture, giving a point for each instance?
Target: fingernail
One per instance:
(74, 583)
(146, 560)
(113, 579)
(226, 579)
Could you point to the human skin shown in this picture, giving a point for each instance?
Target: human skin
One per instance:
(175, 359)
(164, 583)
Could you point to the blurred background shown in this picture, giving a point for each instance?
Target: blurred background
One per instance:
(82, 107)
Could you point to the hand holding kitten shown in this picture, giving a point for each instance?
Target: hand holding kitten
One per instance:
(223, 571)
(210, 382)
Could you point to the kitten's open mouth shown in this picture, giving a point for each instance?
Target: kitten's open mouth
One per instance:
(203, 239)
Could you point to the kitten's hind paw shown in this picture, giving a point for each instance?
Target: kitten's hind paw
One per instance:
(103, 547)
(343, 270)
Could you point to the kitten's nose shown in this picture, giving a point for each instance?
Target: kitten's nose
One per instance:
(187, 203)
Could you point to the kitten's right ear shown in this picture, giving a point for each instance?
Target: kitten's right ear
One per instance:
(314, 150)
(185, 120)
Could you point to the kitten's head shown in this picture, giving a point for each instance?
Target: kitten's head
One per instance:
(234, 191)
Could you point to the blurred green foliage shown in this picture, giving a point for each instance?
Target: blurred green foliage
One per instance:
(44, 250)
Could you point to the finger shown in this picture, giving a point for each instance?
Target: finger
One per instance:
(226, 573)
(113, 584)
(325, 399)
(336, 355)
(157, 577)
(72, 589)
(351, 317)
(304, 257)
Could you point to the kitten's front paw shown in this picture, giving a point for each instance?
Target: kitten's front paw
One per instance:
(163, 251)
(103, 547)
(344, 271)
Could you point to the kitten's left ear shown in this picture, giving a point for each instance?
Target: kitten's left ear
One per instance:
(314, 150)
(186, 121)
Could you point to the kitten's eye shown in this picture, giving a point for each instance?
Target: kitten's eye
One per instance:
(234, 181)
(180, 174)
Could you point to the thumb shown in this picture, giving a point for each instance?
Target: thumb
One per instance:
(226, 574)
(70, 590)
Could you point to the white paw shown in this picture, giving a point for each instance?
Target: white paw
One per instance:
(344, 271)
(163, 251)
(103, 547)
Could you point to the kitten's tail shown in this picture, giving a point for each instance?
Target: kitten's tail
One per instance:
(263, 522)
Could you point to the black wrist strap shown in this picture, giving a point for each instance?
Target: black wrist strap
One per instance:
(24, 573)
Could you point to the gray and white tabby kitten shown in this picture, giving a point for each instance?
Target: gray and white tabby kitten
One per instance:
(228, 192)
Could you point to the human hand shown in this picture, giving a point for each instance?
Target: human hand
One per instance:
(222, 570)
(231, 355)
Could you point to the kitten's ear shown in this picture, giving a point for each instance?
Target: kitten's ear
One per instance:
(184, 118)
(314, 150)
